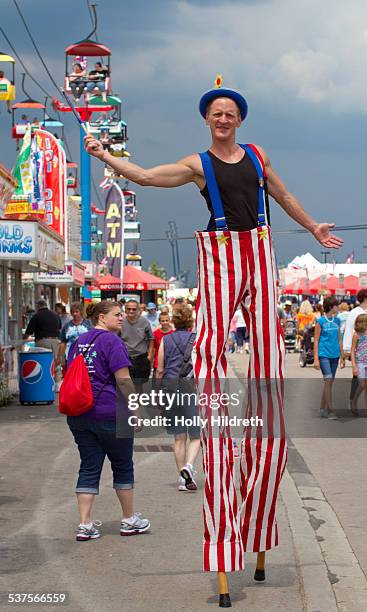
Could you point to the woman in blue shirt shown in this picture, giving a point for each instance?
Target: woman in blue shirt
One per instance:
(328, 349)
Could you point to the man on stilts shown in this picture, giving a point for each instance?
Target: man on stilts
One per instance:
(236, 267)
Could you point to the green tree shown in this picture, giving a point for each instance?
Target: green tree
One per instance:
(157, 270)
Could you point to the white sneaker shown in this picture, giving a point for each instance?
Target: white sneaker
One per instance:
(88, 532)
(323, 414)
(187, 473)
(134, 525)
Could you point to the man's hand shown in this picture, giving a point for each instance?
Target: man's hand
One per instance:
(325, 237)
(93, 147)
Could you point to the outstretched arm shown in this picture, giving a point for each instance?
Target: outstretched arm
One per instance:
(167, 175)
(293, 208)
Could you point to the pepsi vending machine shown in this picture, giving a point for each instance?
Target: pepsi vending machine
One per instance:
(36, 376)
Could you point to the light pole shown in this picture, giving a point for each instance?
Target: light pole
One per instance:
(325, 254)
(174, 234)
(172, 243)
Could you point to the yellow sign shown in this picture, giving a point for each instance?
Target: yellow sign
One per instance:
(21, 207)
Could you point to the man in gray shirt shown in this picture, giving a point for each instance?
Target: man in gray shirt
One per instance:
(138, 336)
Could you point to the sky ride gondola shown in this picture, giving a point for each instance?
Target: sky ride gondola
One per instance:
(131, 211)
(72, 178)
(108, 127)
(87, 49)
(53, 125)
(7, 85)
(28, 106)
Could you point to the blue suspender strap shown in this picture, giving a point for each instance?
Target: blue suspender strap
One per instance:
(261, 215)
(216, 200)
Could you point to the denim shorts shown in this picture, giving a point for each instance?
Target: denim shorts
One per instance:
(329, 366)
(96, 439)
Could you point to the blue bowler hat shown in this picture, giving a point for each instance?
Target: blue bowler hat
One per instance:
(222, 92)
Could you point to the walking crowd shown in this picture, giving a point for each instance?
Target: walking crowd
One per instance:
(127, 343)
(328, 334)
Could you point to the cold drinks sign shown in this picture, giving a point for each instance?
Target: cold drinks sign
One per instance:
(17, 240)
(29, 241)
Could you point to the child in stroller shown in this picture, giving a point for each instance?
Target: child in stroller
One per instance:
(307, 355)
(290, 335)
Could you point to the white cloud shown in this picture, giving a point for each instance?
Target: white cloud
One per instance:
(304, 50)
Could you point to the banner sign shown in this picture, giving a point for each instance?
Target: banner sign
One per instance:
(363, 280)
(114, 230)
(54, 175)
(23, 171)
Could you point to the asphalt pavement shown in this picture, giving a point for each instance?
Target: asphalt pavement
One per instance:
(319, 565)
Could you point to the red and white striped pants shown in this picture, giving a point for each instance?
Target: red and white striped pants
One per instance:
(237, 268)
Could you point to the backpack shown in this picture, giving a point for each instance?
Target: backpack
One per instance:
(186, 369)
(76, 395)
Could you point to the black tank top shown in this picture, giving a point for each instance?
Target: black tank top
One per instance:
(238, 187)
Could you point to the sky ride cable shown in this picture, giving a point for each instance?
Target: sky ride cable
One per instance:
(35, 46)
(23, 65)
(337, 228)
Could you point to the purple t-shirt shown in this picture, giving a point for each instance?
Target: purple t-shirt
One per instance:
(107, 353)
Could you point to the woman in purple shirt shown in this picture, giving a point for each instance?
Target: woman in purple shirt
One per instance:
(95, 431)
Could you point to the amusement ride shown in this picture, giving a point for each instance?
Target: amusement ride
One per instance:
(86, 92)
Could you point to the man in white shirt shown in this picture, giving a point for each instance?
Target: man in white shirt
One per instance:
(349, 331)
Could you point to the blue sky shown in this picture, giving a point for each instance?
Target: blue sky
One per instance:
(301, 66)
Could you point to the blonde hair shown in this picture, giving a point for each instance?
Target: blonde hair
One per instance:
(306, 308)
(360, 326)
(344, 306)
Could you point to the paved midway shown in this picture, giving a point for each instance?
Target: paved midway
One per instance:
(320, 565)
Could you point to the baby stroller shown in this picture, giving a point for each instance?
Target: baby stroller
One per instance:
(290, 335)
(307, 355)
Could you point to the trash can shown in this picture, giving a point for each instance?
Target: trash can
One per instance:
(36, 376)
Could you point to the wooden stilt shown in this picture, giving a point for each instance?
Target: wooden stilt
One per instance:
(260, 567)
(224, 598)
